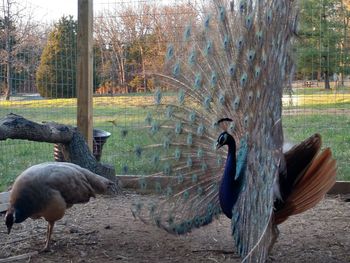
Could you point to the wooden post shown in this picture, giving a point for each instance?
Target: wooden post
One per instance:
(85, 69)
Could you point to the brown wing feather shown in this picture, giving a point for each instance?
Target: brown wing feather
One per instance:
(311, 188)
(76, 184)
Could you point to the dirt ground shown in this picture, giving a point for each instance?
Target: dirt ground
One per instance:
(104, 230)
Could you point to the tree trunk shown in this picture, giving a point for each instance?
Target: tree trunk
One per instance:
(8, 82)
(326, 80)
(75, 148)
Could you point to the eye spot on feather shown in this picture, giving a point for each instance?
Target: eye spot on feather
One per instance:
(152, 208)
(178, 128)
(232, 127)
(236, 103)
(158, 187)
(204, 166)
(269, 16)
(206, 102)
(136, 208)
(124, 133)
(250, 96)
(232, 70)
(246, 121)
(200, 130)
(244, 79)
(242, 6)
(176, 69)
(143, 184)
(189, 140)
(169, 191)
(167, 169)
(219, 161)
(171, 220)
(177, 154)
(207, 22)
(251, 56)
(194, 178)
(187, 33)
(222, 99)
(180, 179)
(249, 22)
(148, 119)
(185, 195)
(222, 13)
(169, 112)
(125, 169)
(257, 72)
(226, 42)
(259, 37)
(170, 52)
(192, 58)
(157, 96)
(208, 48)
(166, 143)
(181, 97)
(200, 153)
(155, 159)
(200, 191)
(198, 81)
(189, 162)
(240, 43)
(138, 151)
(192, 117)
(213, 79)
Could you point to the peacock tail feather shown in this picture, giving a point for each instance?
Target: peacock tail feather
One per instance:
(231, 63)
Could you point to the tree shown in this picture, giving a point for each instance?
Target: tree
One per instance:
(321, 36)
(56, 74)
(16, 31)
(133, 40)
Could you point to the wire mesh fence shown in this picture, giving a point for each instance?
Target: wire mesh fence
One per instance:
(38, 75)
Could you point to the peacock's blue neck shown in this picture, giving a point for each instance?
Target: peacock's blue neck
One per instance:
(229, 188)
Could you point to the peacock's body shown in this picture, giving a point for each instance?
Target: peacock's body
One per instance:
(231, 64)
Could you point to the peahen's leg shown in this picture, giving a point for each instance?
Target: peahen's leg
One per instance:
(50, 226)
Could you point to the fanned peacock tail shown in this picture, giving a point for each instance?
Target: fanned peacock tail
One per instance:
(230, 64)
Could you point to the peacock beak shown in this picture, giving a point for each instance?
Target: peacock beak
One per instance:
(218, 146)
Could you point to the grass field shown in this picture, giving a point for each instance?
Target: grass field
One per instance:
(316, 113)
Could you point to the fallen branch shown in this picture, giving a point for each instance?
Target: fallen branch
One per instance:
(219, 251)
(70, 140)
(19, 257)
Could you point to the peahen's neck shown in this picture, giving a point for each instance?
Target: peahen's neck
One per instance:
(229, 188)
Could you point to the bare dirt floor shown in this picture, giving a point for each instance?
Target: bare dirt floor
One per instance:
(104, 230)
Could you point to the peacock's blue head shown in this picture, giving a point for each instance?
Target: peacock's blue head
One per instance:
(224, 138)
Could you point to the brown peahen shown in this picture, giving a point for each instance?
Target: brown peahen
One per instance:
(230, 65)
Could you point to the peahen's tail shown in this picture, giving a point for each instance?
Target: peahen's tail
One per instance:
(309, 176)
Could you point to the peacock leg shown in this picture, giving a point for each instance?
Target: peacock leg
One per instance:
(275, 234)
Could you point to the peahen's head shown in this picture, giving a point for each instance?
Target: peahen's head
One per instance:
(9, 219)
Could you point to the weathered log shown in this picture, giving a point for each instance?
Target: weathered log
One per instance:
(73, 144)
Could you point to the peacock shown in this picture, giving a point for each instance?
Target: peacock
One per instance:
(222, 85)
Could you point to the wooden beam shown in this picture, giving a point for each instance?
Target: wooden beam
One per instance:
(85, 69)
(340, 187)
(4, 201)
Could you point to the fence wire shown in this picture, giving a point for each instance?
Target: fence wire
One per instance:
(38, 75)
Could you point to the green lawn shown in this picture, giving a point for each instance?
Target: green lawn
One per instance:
(123, 117)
